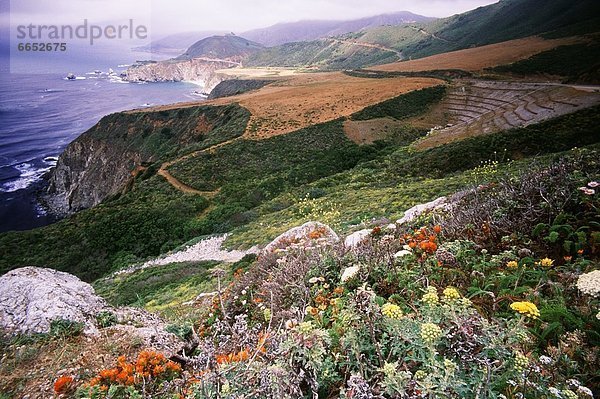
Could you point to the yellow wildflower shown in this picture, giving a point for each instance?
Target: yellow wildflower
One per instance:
(521, 362)
(451, 293)
(431, 297)
(546, 262)
(526, 308)
(430, 333)
(513, 264)
(391, 311)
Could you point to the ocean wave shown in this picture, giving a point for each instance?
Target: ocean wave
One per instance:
(29, 174)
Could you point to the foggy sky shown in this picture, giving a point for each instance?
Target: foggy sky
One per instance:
(173, 16)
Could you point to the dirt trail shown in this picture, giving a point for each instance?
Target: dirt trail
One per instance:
(173, 181)
(433, 35)
(369, 45)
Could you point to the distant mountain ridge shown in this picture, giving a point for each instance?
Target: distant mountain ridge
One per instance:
(498, 22)
(314, 29)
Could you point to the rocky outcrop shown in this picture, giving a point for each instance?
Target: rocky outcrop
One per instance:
(87, 172)
(234, 87)
(31, 298)
(203, 71)
(310, 234)
(206, 250)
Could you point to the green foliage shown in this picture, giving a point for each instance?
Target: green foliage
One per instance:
(159, 134)
(560, 61)
(147, 221)
(106, 319)
(404, 106)
(293, 160)
(65, 328)
(183, 331)
(505, 20)
(233, 87)
(325, 53)
(139, 288)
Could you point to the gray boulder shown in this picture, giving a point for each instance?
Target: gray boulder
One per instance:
(32, 297)
(310, 234)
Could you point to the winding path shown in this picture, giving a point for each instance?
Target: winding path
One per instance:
(177, 184)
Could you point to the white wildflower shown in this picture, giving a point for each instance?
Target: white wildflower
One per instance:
(589, 283)
(585, 391)
(545, 360)
(587, 191)
(555, 391)
(402, 253)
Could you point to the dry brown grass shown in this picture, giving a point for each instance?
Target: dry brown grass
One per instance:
(478, 58)
(310, 99)
(307, 99)
(31, 369)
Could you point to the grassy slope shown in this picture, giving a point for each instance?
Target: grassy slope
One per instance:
(561, 62)
(262, 183)
(392, 183)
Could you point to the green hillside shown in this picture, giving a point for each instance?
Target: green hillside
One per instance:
(505, 20)
(221, 47)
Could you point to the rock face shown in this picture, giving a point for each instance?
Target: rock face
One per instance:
(234, 87)
(200, 70)
(31, 298)
(87, 172)
(308, 235)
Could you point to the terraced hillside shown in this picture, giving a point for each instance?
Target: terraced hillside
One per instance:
(475, 107)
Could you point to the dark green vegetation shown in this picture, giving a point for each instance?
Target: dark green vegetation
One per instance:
(560, 134)
(220, 47)
(505, 20)
(405, 106)
(266, 168)
(445, 74)
(147, 221)
(161, 134)
(577, 63)
(233, 87)
(261, 182)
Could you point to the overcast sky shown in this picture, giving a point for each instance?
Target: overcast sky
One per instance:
(172, 16)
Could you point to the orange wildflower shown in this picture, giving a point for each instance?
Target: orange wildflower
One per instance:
(63, 384)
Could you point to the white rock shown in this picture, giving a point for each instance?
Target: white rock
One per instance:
(349, 272)
(32, 297)
(299, 237)
(205, 250)
(417, 210)
(356, 238)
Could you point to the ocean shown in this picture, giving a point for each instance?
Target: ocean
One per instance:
(41, 113)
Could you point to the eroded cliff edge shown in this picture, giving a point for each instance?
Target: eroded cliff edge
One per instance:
(103, 161)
